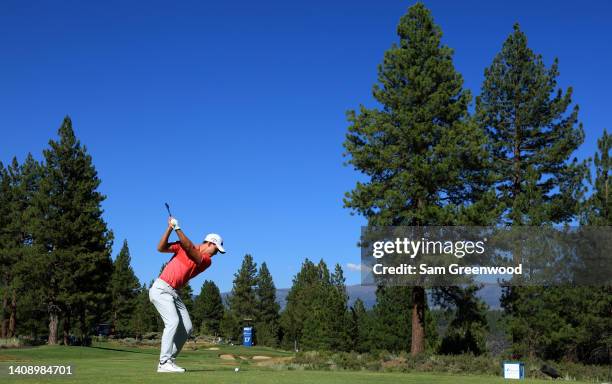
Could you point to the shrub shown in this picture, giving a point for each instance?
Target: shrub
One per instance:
(466, 364)
(12, 342)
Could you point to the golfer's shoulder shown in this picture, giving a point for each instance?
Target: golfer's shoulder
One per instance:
(205, 260)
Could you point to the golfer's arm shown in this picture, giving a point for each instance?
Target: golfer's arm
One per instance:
(163, 245)
(189, 248)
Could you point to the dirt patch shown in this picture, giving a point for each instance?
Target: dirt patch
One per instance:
(272, 361)
(395, 363)
(10, 358)
(261, 357)
(227, 357)
(213, 349)
(243, 357)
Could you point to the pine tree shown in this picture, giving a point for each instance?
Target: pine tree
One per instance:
(26, 305)
(6, 260)
(18, 183)
(531, 139)
(124, 286)
(301, 300)
(317, 333)
(360, 328)
(71, 237)
(424, 157)
(591, 306)
(243, 301)
(208, 309)
(267, 325)
(316, 313)
(298, 304)
(529, 130)
(11, 243)
(391, 319)
(588, 312)
(338, 303)
(230, 327)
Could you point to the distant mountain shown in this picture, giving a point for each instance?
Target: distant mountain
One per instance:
(490, 294)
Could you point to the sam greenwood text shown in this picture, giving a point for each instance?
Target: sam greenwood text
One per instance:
(452, 269)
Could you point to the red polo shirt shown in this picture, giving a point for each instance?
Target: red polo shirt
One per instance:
(180, 269)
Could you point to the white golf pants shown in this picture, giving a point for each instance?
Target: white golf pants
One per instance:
(177, 324)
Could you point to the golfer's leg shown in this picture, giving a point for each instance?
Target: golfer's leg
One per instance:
(164, 303)
(184, 328)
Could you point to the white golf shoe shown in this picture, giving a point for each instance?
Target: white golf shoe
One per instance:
(173, 360)
(170, 367)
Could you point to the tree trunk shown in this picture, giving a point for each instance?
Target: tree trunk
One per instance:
(12, 327)
(517, 218)
(418, 321)
(114, 324)
(66, 330)
(84, 331)
(53, 324)
(3, 318)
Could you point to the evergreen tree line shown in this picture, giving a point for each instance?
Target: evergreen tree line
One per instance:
(317, 315)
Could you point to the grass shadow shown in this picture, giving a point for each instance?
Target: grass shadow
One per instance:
(203, 370)
(120, 350)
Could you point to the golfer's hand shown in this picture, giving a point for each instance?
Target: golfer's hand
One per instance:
(172, 222)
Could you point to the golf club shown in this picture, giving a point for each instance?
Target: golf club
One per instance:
(168, 208)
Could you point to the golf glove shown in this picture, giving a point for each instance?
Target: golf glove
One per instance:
(175, 224)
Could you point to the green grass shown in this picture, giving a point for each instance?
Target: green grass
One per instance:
(107, 363)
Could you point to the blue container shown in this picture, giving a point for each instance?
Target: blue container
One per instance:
(247, 336)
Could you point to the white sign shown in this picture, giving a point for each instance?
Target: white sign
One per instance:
(512, 371)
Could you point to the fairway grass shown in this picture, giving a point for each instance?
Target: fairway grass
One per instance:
(106, 363)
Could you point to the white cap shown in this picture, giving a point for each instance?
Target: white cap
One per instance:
(215, 239)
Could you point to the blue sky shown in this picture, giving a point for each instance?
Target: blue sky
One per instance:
(234, 112)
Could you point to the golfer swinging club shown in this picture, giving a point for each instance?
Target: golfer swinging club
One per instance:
(188, 261)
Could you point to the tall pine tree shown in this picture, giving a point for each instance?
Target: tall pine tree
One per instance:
(592, 306)
(532, 136)
(424, 157)
(72, 239)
